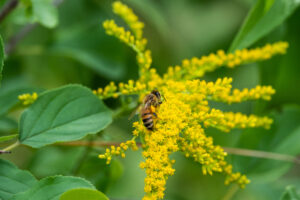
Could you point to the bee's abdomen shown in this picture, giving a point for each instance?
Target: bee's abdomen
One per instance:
(148, 121)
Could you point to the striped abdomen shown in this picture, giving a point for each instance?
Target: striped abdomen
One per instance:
(147, 119)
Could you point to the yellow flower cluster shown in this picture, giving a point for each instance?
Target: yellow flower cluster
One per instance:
(226, 121)
(134, 40)
(130, 18)
(111, 90)
(125, 36)
(27, 98)
(186, 111)
(197, 67)
(120, 150)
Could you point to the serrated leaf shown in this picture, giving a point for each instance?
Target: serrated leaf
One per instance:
(290, 194)
(264, 17)
(83, 193)
(64, 114)
(51, 188)
(1, 57)
(13, 180)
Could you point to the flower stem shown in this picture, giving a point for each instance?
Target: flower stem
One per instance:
(12, 146)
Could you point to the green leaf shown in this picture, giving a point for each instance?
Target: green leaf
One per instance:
(64, 114)
(83, 193)
(264, 17)
(290, 194)
(45, 13)
(8, 137)
(51, 188)
(1, 57)
(13, 180)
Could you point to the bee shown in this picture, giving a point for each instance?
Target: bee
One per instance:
(147, 114)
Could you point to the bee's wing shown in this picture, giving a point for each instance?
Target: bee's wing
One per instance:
(135, 111)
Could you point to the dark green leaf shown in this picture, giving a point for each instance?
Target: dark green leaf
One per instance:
(290, 194)
(51, 188)
(83, 193)
(262, 19)
(64, 114)
(13, 180)
(1, 57)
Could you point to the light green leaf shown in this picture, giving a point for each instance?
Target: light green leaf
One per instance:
(264, 17)
(8, 137)
(1, 57)
(64, 114)
(290, 194)
(83, 193)
(45, 13)
(51, 188)
(13, 180)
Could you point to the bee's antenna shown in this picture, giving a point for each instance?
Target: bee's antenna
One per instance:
(164, 97)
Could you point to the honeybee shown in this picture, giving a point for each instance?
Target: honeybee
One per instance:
(147, 114)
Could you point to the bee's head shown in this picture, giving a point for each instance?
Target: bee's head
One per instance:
(156, 93)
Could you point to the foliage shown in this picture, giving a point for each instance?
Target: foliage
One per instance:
(57, 128)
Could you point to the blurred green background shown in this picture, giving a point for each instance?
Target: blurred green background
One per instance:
(77, 50)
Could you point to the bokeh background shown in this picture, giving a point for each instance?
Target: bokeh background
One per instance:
(77, 50)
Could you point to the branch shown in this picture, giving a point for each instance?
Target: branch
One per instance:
(7, 8)
(230, 150)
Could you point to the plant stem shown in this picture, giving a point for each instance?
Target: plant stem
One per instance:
(7, 8)
(261, 154)
(230, 150)
(12, 146)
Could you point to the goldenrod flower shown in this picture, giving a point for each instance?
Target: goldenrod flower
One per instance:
(27, 98)
(186, 111)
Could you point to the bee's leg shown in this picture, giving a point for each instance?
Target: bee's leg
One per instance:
(155, 115)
